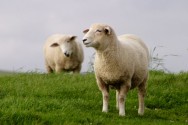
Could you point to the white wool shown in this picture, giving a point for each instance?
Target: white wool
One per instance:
(63, 53)
(121, 62)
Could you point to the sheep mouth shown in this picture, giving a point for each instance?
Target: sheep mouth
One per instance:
(87, 44)
(67, 54)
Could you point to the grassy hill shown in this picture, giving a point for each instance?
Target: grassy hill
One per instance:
(47, 99)
(4, 72)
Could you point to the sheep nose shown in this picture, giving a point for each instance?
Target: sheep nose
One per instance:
(66, 54)
(84, 40)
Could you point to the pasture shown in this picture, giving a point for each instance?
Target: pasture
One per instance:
(45, 99)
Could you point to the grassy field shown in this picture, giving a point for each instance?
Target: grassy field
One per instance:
(38, 99)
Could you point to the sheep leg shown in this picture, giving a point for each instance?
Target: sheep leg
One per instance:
(141, 94)
(122, 97)
(58, 69)
(49, 69)
(117, 99)
(105, 93)
(77, 70)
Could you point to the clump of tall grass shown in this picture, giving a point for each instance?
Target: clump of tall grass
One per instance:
(157, 61)
(91, 63)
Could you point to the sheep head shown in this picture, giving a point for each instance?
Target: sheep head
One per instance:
(66, 44)
(97, 36)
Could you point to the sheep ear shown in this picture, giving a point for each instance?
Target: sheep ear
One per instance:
(85, 31)
(72, 38)
(107, 30)
(54, 45)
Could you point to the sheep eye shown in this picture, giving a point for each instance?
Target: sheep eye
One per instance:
(98, 31)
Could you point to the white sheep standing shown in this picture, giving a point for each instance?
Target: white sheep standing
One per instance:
(63, 53)
(121, 62)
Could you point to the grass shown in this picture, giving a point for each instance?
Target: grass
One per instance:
(50, 99)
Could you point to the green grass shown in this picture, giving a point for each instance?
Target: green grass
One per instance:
(45, 99)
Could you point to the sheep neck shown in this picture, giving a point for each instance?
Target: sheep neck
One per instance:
(111, 53)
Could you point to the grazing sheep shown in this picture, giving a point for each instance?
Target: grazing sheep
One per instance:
(120, 62)
(63, 53)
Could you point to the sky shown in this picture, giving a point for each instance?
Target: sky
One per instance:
(25, 26)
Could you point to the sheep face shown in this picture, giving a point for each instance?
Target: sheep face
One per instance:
(97, 36)
(66, 44)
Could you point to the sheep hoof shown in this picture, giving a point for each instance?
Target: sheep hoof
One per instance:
(122, 114)
(140, 113)
(105, 111)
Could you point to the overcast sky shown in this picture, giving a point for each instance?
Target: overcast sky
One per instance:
(26, 24)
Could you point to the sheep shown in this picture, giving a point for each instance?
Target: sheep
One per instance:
(120, 62)
(63, 53)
